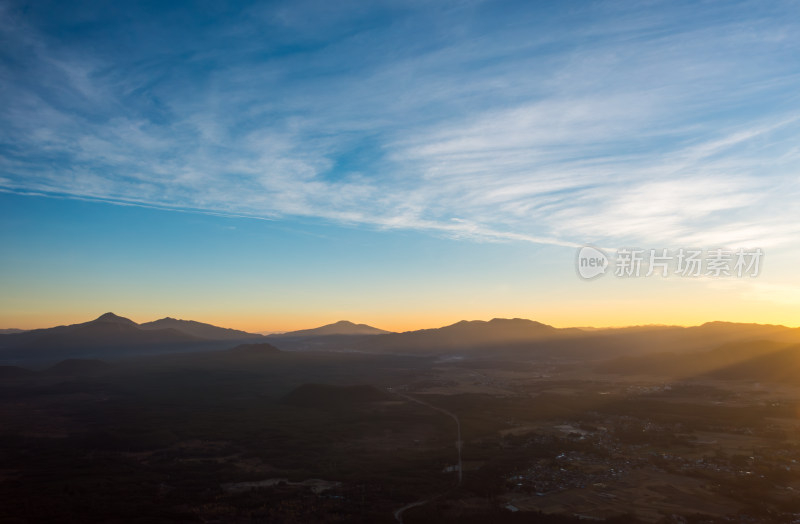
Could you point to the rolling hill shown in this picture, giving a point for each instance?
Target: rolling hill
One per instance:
(257, 349)
(774, 366)
(199, 329)
(343, 327)
(682, 365)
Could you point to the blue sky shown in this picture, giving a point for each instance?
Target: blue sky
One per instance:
(506, 132)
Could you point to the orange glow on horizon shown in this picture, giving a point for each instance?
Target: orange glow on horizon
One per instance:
(290, 321)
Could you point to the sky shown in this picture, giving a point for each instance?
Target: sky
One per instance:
(271, 166)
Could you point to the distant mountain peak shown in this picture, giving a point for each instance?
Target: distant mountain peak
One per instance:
(518, 322)
(342, 327)
(502, 323)
(111, 317)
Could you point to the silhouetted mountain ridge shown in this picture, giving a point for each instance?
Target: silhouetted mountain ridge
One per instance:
(470, 334)
(111, 318)
(199, 329)
(515, 338)
(342, 327)
(111, 335)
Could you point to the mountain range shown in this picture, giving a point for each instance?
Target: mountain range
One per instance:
(521, 338)
(110, 334)
(661, 349)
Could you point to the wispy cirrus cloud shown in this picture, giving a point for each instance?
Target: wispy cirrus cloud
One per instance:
(610, 123)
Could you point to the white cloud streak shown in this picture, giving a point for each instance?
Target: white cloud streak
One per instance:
(610, 129)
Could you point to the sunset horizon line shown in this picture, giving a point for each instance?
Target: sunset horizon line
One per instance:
(419, 327)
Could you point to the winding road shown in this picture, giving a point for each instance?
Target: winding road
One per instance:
(398, 514)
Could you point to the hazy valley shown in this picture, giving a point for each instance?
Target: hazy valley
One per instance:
(194, 423)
